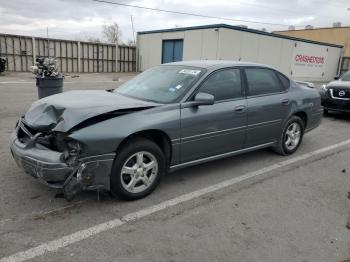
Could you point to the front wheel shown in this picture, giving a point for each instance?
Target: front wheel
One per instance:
(291, 137)
(137, 169)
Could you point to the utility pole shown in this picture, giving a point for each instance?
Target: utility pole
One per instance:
(133, 29)
(48, 41)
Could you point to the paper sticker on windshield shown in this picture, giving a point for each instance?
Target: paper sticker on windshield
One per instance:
(189, 72)
(178, 87)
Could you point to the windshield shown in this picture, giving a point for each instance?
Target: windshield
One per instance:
(162, 84)
(346, 77)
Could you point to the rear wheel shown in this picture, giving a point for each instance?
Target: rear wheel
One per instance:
(291, 137)
(137, 169)
(325, 111)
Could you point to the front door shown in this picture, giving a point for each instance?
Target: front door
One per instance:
(210, 130)
(172, 50)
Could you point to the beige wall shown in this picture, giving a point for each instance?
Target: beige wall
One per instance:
(337, 35)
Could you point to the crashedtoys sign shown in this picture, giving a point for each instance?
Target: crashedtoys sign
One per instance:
(309, 60)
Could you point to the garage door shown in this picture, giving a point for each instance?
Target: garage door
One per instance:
(172, 50)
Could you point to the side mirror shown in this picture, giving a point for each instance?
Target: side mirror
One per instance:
(336, 78)
(204, 99)
(200, 99)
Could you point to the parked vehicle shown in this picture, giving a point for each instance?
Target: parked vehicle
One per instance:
(336, 94)
(2, 63)
(168, 117)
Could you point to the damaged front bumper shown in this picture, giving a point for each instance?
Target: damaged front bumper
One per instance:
(50, 167)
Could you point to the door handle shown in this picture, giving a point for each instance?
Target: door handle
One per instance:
(285, 101)
(240, 108)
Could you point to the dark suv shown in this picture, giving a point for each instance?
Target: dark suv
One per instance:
(336, 94)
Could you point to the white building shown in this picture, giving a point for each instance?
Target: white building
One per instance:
(300, 59)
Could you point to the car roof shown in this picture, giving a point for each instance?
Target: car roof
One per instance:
(215, 63)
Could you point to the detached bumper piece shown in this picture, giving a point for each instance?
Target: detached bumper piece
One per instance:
(47, 167)
(50, 168)
(41, 163)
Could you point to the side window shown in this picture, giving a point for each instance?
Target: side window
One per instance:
(262, 81)
(224, 84)
(284, 80)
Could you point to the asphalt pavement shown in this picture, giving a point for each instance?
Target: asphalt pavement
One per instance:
(290, 209)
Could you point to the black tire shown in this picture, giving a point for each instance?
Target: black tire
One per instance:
(281, 147)
(129, 149)
(325, 112)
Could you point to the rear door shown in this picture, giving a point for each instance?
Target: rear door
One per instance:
(268, 105)
(219, 128)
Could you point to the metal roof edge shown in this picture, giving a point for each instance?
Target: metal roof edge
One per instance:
(57, 39)
(313, 29)
(238, 28)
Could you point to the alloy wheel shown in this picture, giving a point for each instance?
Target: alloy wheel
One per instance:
(139, 172)
(292, 136)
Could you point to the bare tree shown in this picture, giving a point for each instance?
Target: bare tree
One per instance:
(131, 42)
(112, 33)
(93, 39)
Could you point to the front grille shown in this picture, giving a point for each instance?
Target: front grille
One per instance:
(336, 104)
(339, 93)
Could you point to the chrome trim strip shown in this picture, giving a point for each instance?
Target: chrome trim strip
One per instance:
(212, 136)
(94, 161)
(213, 132)
(185, 139)
(265, 123)
(215, 157)
(112, 155)
(335, 97)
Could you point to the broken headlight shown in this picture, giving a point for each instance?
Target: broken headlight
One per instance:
(72, 150)
(73, 147)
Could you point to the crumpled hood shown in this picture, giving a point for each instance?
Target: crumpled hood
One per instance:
(339, 83)
(63, 111)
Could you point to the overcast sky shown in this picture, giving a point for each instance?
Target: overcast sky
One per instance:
(80, 19)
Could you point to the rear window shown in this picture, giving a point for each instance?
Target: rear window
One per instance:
(262, 81)
(284, 80)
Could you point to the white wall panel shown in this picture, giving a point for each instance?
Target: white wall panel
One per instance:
(250, 47)
(210, 41)
(229, 44)
(192, 49)
(269, 51)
